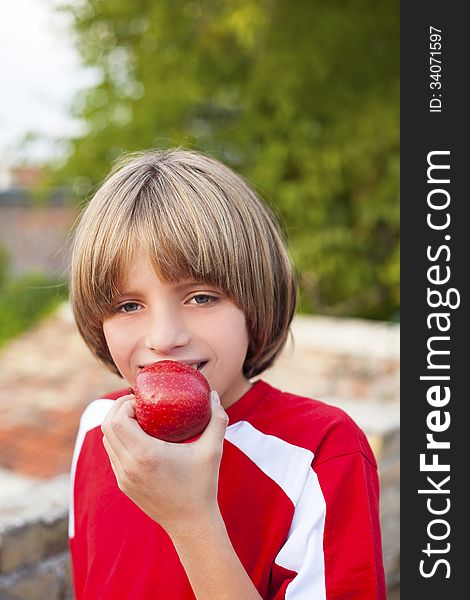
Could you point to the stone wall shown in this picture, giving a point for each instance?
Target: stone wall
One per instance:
(34, 557)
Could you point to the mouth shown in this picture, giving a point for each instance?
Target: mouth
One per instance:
(198, 365)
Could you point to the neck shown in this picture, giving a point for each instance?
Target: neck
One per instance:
(236, 392)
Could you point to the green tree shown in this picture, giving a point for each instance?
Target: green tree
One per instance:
(25, 300)
(300, 97)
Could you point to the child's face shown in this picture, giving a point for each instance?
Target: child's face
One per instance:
(185, 321)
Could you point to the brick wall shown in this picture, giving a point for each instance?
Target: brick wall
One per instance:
(36, 238)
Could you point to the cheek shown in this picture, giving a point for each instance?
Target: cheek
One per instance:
(240, 336)
(108, 333)
(114, 338)
(229, 335)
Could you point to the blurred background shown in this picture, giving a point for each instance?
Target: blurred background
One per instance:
(302, 98)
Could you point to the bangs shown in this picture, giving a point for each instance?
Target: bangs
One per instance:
(186, 234)
(187, 227)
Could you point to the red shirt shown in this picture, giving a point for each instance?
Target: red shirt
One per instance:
(298, 491)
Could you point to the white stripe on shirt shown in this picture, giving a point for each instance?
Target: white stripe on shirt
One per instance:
(92, 417)
(290, 467)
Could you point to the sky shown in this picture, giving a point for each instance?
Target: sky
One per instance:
(40, 73)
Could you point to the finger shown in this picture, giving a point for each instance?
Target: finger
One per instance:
(116, 405)
(217, 410)
(112, 441)
(125, 431)
(215, 431)
(116, 423)
(113, 460)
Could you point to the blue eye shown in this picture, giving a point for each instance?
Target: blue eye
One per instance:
(204, 299)
(128, 307)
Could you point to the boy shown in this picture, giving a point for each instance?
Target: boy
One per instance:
(176, 258)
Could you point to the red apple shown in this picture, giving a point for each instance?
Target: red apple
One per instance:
(172, 401)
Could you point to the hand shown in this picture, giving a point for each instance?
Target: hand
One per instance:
(175, 484)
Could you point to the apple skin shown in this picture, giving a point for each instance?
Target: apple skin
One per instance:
(172, 401)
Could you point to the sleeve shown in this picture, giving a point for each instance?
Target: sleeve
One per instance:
(333, 550)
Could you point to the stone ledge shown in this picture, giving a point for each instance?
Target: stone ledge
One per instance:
(43, 497)
(33, 527)
(48, 580)
(354, 337)
(14, 485)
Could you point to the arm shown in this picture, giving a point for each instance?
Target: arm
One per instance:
(211, 564)
(176, 485)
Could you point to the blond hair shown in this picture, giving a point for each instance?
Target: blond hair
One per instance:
(198, 220)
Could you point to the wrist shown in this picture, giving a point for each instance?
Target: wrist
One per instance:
(204, 543)
(205, 525)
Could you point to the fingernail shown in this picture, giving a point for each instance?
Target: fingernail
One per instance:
(215, 397)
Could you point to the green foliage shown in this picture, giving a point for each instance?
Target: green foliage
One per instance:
(25, 301)
(301, 98)
(4, 266)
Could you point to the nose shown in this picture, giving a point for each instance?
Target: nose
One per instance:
(165, 332)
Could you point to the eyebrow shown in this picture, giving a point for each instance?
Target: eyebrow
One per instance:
(191, 283)
(179, 286)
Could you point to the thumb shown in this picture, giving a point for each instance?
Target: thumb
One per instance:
(215, 430)
(218, 413)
